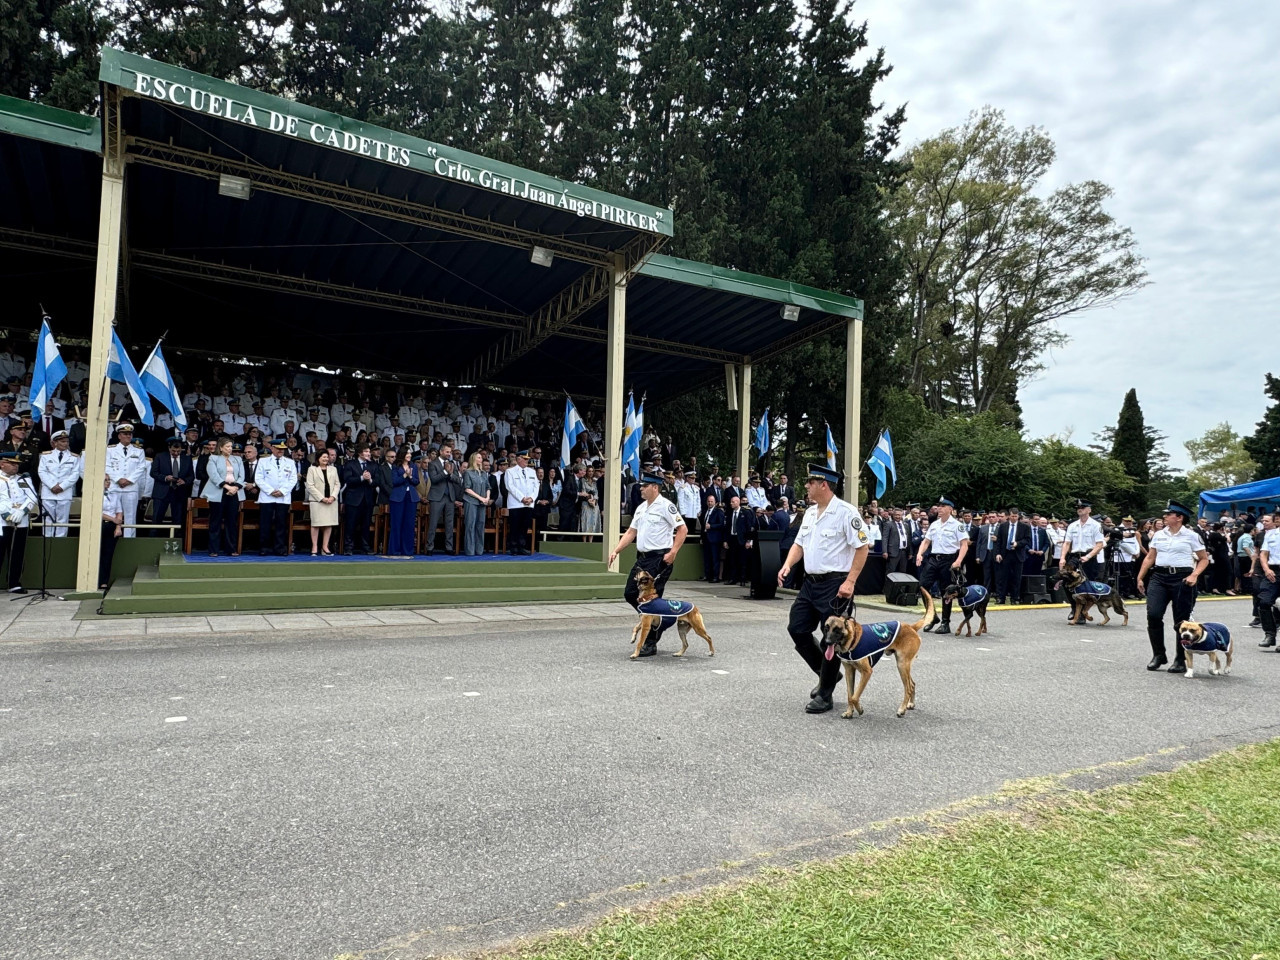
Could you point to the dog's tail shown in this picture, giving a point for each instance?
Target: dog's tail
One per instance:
(928, 610)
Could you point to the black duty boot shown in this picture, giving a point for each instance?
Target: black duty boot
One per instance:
(1158, 661)
(932, 623)
(1268, 641)
(819, 704)
(943, 627)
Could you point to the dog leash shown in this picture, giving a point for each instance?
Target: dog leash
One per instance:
(850, 608)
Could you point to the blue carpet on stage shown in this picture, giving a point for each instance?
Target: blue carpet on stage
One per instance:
(339, 558)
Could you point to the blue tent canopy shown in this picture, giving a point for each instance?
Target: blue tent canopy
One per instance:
(1260, 493)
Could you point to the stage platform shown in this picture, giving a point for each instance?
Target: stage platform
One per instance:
(203, 584)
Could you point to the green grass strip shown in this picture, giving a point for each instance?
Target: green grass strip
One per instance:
(1175, 865)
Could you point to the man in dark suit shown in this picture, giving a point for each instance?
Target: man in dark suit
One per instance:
(174, 475)
(896, 538)
(782, 490)
(712, 539)
(446, 489)
(1013, 538)
(740, 530)
(984, 547)
(43, 429)
(360, 493)
(569, 499)
(734, 489)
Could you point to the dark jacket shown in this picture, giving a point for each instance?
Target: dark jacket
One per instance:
(569, 490)
(163, 466)
(780, 490)
(446, 486)
(405, 487)
(746, 526)
(1021, 539)
(357, 491)
(891, 542)
(713, 525)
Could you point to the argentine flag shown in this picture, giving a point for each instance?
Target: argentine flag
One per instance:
(49, 370)
(159, 383)
(832, 449)
(120, 368)
(631, 430)
(881, 462)
(762, 433)
(573, 429)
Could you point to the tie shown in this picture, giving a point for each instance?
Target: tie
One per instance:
(902, 535)
(59, 456)
(735, 521)
(1013, 530)
(1035, 539)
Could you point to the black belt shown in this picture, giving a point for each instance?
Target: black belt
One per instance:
(1175, 571)
(652, 553)
(944, 556)
(816, 577)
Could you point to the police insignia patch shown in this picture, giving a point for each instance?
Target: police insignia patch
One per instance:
(857, 522)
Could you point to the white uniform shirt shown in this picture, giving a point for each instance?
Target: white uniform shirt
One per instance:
(408, 416)
(1176, 549)
(341, 412)
(111, 503)
(1271, 544)
(279, 416)
(829, 541)
(220, 404)
(129, 463)
(321, 430)
(655, 525)
(275, 473)
(1081, 537)
(261, 421)
(756, 498)
(235, 424)
(690, 498)
(944, 538)
(77, 370)
(59, 468)
(17, 501)
(521, 482)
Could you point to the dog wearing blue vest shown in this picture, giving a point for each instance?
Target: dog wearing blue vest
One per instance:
(861, 645)
(1207, 638)
(657, 611)
(971, 599)
(1086, 593)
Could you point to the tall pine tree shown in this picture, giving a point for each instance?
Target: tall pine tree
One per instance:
(1131, 446)
(1264, 445)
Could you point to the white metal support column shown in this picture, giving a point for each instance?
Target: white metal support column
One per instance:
(744, 423)
(106, 282)
(853, 410)
(615, 351)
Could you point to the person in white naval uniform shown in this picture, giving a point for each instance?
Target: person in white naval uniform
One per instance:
(18, 504)
(59, 470)
(522, 489)
(126, 468)
(276, 477)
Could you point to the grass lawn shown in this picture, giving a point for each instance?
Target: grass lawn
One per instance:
(1178, 865)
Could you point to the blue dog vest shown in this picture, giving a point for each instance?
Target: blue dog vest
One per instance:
(668, 610)
(1092, 588)
(875, 639)
(972, 596)
(1216, 638)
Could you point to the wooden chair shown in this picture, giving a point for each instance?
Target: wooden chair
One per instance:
(381, 527)
(299, 519)
(427, 538)
(491, 526)
(250, 519)
(197, 519)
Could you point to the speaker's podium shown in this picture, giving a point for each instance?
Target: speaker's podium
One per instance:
(765, 566)
(901, 589)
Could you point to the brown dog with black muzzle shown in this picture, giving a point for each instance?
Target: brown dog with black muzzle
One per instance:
(653, 609)
(860, 645)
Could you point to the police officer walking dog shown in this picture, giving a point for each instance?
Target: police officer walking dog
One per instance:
(658, 531)
(1176, 558)
(947, 541)
(1269, 584)
(833, 543)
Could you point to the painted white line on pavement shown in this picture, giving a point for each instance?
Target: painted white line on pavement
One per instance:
(471, 693)
(175, 719)
(723, 673)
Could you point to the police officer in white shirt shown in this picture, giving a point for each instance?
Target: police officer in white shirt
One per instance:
(282, 415)
(1268, 564)
(314, 425)
(833, 543)
(18, 504)
(1175, 558)
(658, 531)
(946, 541)
(276, 477)
(756, 497)
(689, 498)
(233, 421)
(522, 490)
(59, 470)
(127, 468)
(1085, 540)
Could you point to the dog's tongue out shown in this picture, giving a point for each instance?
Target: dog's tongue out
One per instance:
(830, 652)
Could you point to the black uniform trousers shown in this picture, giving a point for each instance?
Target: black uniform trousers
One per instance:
(1268, 590)
(107, 553)
(13, 544)
(1009, 577)
(274, 519)
(1162, 590)
(815, 602)
(651, 563)
(712, 555)
(518, 521)
(357, 517)
(935, 576)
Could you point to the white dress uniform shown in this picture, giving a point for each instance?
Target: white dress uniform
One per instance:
(77, 370)
(220, 404)
(382, 421)
(756, 498)
(235, 424)
(127, 463)
(280, 415)
(18, 502)
(275, 473)
(689, 498)
(12, 366)
(408, 416)
(58, 468)
(321, 430)
(341, 412)
(270, 405)
(189, 401)
(829, 541)
(521, 482)
(261, 421)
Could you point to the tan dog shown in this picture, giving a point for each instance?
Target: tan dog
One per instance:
(686, 615)
(1209, 639)
(859, 646)
(1078, 586)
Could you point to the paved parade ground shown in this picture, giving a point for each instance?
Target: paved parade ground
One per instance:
(415, 788)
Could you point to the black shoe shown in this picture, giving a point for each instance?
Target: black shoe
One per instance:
(1178, 667)
(931, 626)
(1157, 662)
(1255, 622)
(17, 589)
(818, 704)
(1267, 642)
(648, 650)
(1000, 601)
(943, 627)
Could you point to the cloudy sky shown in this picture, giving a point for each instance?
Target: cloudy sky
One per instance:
(1174, 106)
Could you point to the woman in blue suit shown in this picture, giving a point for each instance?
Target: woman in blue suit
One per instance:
(224, 489)
(712, 540)
(404, 503)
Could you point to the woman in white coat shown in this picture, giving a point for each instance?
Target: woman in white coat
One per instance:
(224, 489)
(322, 495)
